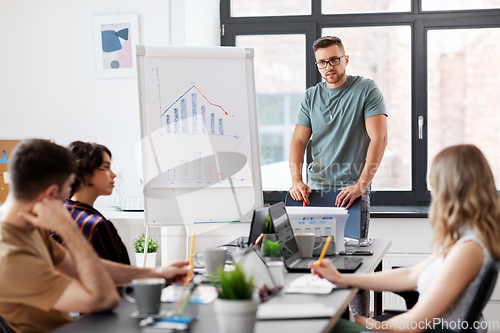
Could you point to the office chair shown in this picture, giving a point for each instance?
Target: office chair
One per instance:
(4, 328)
(482, 296)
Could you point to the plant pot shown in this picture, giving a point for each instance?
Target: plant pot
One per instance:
(235, 316)
(150, 260)
(266, 237)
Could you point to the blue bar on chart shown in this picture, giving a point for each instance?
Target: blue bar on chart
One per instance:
(184, 116)
(171, 173)
(195, 113)
(212, 123)
(184, 169)
(208, 171)
(197, 165)
(176, 120)
(168, 123)
(221, 127)
(203, 120)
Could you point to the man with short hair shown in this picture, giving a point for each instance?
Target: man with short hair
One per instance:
(346, 117)
(41, 281)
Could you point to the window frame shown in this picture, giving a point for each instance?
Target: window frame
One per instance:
(419, 21)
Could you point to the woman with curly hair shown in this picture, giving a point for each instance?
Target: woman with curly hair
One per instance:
(465, 218)
(93, 179)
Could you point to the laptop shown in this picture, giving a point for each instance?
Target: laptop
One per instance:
(258, 225)
(291, 254)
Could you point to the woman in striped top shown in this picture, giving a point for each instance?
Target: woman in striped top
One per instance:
(93, 179)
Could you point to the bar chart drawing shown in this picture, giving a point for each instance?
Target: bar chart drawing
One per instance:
(188, 124)
(192, 120)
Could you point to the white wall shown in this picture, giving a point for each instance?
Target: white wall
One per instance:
(48, 85)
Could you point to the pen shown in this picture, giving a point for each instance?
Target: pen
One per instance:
(258, 239)
(324, 250)
(304, 204)
(191, 264)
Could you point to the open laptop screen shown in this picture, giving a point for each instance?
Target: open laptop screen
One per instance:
(284, 231)
(258, 224)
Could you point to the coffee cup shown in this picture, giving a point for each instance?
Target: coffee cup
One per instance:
(212, 259)
(146, 293)
(305, 242)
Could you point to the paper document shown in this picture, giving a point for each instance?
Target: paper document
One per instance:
(294, 311)
(310, 284)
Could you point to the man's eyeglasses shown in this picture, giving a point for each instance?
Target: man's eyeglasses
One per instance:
(333, 62)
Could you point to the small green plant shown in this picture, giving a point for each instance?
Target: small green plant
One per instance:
(272, 249)
(269, 229)
(234, 284)
(138, 244)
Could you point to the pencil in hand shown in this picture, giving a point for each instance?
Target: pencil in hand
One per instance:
(327, 243)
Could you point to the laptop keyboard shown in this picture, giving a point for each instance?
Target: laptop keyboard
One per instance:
(304, 263)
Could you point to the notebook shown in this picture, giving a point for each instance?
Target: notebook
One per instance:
(291, 254)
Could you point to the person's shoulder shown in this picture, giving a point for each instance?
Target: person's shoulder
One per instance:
(318, 87)
(360, 81)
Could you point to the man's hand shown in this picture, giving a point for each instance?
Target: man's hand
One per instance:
(300, 191)
(173, 273)
(48, 214)
(348, 194)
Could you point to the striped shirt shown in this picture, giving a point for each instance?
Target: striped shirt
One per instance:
(99, 231)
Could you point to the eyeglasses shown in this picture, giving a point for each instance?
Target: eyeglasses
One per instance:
(333, 62)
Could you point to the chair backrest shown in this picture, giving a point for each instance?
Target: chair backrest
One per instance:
(482, 296)
(4, 328)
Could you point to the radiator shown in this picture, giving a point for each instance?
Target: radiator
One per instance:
(398, 259)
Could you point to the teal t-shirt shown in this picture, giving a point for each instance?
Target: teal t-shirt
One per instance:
(339, 138)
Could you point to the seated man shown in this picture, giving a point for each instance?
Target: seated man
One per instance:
(41, 281)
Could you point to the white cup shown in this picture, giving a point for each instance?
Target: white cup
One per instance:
(305, 242)
(277, 270)
(212, 259)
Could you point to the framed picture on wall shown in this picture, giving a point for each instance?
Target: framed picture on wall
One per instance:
(115, 39)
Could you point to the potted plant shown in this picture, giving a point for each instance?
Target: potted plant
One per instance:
(272, 249)
(235, 309)
(138, 245)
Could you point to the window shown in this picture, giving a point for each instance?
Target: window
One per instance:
(280, 84)
(459, 4)
(464, 97)
(364, 6)
(241, 8)
(383, 54)
(433, 60)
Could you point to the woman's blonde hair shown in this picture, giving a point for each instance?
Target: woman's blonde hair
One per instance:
(463, 196)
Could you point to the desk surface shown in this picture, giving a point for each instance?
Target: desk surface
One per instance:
(119, 320)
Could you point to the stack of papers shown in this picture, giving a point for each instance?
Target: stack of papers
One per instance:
(310, 284)
(201, 295)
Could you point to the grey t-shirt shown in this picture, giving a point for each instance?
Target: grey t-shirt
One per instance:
(339, 138)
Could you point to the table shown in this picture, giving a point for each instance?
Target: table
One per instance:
(119, 320)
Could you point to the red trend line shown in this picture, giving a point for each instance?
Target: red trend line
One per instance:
(220, 107)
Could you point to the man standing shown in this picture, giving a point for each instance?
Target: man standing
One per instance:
(41, 280)
(346, 117)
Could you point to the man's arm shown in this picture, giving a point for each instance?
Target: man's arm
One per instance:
(93, 289)
(301, 135)
(122, 274)
(376, 127)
